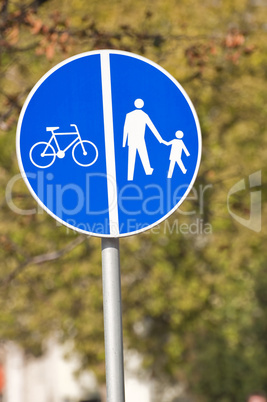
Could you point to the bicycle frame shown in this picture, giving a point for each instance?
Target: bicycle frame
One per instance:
(53, 137)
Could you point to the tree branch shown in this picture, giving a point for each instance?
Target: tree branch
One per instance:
(4, 8)
(40, 259)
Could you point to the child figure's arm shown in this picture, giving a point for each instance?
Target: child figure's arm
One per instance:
(186, 150)
(168, 142)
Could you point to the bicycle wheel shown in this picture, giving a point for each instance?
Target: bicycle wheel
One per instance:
(89, 157)
(41, 159)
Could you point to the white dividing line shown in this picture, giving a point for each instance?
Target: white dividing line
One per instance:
(109, 144)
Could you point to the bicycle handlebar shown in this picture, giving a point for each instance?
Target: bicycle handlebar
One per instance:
(74, 125)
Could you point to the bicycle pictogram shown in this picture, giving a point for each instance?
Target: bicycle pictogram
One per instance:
(43, 154)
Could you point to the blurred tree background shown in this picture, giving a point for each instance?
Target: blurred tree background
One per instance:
(194, 303)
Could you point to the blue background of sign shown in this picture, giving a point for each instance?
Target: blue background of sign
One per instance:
(72, 94)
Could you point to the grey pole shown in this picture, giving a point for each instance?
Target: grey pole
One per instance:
(113, 320)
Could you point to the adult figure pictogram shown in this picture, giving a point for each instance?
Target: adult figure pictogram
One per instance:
(134, 131)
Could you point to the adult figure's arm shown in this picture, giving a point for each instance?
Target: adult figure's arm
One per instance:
(154, 130)
(125, 132)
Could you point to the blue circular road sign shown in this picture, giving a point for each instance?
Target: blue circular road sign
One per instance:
(108, 143)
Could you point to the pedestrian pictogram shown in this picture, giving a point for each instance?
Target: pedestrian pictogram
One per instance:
(177, 147)
(117, 147)
(134, 135)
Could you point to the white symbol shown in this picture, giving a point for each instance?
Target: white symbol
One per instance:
(176, 153)
(43, 154)
(134, 130)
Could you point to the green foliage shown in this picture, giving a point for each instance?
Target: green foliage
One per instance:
(194, 301)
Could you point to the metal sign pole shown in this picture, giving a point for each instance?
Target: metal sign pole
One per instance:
(113, 320)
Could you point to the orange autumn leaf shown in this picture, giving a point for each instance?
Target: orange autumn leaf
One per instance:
(50, 51)
(13, 35)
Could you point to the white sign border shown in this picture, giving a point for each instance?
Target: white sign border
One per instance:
(102, 52)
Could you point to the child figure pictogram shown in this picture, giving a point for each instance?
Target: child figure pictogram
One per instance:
(177, 148)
